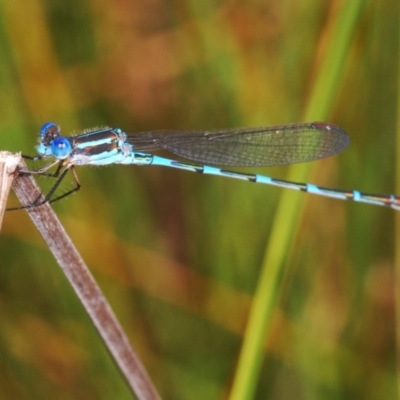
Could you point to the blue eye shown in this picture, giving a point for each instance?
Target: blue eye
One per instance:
(61, 148)
(46, 127)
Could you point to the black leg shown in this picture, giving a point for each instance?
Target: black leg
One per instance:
(40, 200)
(54, 188)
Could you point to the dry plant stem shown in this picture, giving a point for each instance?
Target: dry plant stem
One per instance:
(87, 290)
(8, 164)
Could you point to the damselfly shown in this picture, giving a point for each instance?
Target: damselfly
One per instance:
(245, 147)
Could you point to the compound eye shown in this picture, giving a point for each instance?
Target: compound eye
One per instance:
(48, 132)
(61, 148)
(46, 127)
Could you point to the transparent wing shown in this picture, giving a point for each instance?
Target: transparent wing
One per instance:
(248, 147)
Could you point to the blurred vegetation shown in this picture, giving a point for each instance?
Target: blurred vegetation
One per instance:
(179, 255)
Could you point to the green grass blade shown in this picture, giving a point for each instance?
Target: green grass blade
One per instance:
(289, 210)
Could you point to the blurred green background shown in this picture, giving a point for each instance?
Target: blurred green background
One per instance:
(177, 254)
